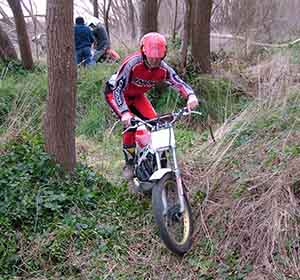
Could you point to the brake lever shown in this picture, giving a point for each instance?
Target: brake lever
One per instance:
(130, 127)
(183, 112)
(135, 123)
(113, 127)
(196, 112)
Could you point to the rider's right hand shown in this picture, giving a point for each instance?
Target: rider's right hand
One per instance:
(126, 119)
(192, 102)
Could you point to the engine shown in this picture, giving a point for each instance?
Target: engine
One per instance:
(146, 168)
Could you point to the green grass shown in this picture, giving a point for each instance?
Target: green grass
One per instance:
(251, 169)
(54, 212)
(23, 97)
(88, 225)
(220, 99)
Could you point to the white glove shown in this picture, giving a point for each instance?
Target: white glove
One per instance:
(192, 102)
(126, 119)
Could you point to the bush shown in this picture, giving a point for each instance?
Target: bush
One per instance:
(35, 194)
(217, 98)
(7, 95)
(220, 98)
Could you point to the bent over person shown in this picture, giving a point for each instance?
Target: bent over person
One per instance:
(125, 91)
(102, 42)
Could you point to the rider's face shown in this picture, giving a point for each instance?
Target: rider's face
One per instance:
(153, 62)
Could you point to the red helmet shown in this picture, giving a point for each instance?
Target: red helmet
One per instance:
(154, 45)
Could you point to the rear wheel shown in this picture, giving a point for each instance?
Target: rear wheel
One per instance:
(175, 228)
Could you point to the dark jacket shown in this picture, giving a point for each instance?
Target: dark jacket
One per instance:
(101, 38)
(83, 36)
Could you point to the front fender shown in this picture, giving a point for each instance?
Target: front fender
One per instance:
(158, 174)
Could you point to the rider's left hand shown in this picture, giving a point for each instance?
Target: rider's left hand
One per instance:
(192, 102)
(126, 118)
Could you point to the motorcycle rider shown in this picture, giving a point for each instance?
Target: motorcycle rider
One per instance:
(139, 72)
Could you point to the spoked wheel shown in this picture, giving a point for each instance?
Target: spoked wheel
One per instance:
(175, 228)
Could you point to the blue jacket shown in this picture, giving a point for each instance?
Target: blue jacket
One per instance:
(83, 36)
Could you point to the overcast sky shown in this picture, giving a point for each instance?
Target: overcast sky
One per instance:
(81, 7)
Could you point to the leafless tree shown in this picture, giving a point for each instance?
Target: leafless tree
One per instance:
(5, 18)
(171, 17)
(119, 16)
(59, 121)
(148, 20)
(96, 8)
(132, 19)
(262, 19)
(175, 21)
(105, 9)
(23, 39)
(32, 14)
(186, 34)
(7, 50)
(35, 21)
(201, 13)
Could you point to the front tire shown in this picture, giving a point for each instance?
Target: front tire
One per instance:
(175, 228)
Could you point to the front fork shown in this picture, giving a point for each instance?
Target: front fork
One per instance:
(178, 179)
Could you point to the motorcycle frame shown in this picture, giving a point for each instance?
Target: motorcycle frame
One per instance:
(163, 140)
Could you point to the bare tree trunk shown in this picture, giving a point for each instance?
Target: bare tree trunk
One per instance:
(59, 122)
(175, 21)
(201, 34)
(132, 19)
(35, 23)
(96, 8)
(186, 34)
(7, 50)
(226, 13)
(158, 4)
(31, 13)
(149, 11)
(23, 39)
(106, 16)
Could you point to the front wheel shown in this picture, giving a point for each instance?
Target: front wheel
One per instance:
(175, 228)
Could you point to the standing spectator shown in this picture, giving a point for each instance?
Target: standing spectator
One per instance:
(83, 42)
(102, 43)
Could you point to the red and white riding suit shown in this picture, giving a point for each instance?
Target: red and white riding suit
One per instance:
(133, 80)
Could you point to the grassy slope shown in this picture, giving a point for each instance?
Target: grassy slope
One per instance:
(250, 183)
(244, 205)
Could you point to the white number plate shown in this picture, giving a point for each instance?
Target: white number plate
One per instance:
(162, 138)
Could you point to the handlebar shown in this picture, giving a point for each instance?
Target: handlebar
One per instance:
(136, 121)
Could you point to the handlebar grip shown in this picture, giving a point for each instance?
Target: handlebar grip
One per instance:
(185, 110)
